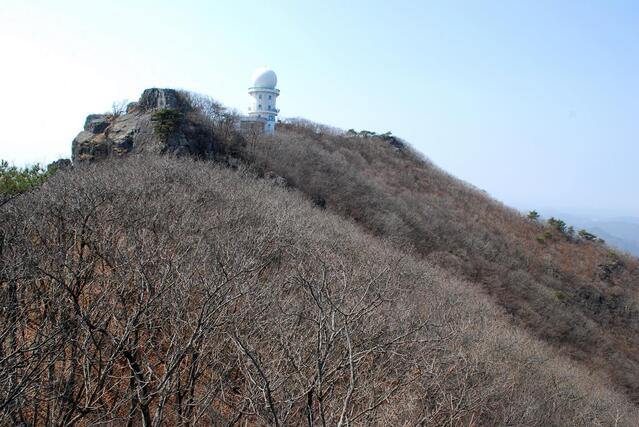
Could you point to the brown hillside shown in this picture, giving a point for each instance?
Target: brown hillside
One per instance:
(309, 277)
(156, 290)
(579, 296)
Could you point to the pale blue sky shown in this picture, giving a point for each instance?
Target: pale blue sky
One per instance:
(536, 102)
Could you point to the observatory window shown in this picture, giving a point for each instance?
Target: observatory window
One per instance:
(260, 96)
(260, 106)
(269, 97)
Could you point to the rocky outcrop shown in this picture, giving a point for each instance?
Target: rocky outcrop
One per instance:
(89, 146)
(111, 136)
(96, 123)
(59, 164)
(132, 107)
(107, 135)
(155, 98)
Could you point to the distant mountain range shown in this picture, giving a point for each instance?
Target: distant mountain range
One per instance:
(621, 232)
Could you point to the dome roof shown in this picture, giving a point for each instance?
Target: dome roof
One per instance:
(264, 77)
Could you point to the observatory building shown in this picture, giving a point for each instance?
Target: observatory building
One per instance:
(262, 106)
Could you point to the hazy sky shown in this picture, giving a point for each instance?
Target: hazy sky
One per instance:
(536, 102)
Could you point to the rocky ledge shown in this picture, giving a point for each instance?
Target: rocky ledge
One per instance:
(112, 134)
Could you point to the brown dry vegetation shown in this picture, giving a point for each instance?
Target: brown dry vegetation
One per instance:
(157, 290)
(557, 289)
(372, 289)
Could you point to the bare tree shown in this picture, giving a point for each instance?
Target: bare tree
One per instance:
(118, 108)
(151, 291)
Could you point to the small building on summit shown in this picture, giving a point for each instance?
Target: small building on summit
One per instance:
(262, 109)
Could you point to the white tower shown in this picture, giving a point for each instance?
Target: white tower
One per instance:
(263, 96)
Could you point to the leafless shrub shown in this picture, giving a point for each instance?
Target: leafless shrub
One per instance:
(303, 125)
(163, 291)
(399, 195)
(118, 108)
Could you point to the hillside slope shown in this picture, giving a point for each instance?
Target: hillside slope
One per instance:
(311, 276)
(162, 290)
(577, 295)
(622, 232)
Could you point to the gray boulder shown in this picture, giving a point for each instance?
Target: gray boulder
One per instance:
(154, 99)
(121, 134)
(132, 107)
(89, 146)
(96, 123)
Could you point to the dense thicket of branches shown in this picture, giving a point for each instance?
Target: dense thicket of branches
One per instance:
(357, 285)
(155, 290)
(578, 295)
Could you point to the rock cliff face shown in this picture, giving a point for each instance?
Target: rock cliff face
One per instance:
(107, 135)
(153, 99)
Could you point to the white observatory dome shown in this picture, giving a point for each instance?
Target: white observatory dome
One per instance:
(264, 78)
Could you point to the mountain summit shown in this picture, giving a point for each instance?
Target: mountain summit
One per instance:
(189, 271)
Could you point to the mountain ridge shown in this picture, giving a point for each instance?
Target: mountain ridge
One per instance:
(394, 192)
(451, 296)
(621, 232)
